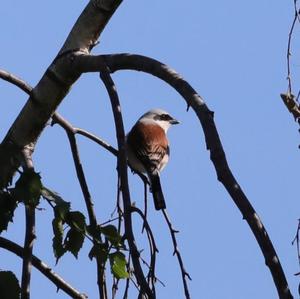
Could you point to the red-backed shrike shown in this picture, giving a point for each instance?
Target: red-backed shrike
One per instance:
(148, 149)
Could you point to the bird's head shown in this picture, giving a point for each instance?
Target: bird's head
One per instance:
(161, 117)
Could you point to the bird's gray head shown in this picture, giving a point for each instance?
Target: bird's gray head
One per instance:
(161, 117)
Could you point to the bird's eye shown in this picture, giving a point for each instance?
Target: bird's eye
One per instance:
(165, 117)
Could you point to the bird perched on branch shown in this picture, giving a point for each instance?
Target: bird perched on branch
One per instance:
(148, 149)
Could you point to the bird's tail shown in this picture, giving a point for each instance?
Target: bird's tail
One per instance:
(158, 196)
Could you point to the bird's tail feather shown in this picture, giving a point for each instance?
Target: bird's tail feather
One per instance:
(158, 196)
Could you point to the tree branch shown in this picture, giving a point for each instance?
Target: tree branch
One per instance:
(96, 139)
(153, 248)
(71, 134)
(43, 268)
(122, 170)
(289, 46)
(118, 62)
(88, 200)
(53, 86)
(9, 77)
(176, 252)
(29, 231)
(28, 247)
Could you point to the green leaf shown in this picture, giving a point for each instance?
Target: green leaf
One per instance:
(76, 234)
(62, 207)
(112, 234)
(57, 241)
(61, 210)
(28, 188)
(118, 265)
(9, 285)
(74, 241)
(100, 251)
(76, 220)
(7, 209)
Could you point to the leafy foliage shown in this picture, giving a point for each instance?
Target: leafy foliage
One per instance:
(99, 250)
(9, 285)
(7, 208)
(112, 234)
(117, 259)
(74, 238)
(28, 188)
(118, 265)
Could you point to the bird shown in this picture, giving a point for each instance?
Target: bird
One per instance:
(148, 149)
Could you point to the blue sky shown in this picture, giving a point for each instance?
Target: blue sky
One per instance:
(234, 54)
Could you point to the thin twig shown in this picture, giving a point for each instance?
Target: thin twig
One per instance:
(29, 232)
(149, 267)
(9, 77)
(176, 252)
(125, 295)
(96, 139)
(114, 288)
(122, 170)
(145, 201)
(109, 221)
(88, 200)
(59, 282)
(289, 76)
(153, 248)
(296, 240)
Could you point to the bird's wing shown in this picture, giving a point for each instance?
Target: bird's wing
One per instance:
(150, 145)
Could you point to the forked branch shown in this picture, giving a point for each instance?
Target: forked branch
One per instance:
(141, 63)
(53, 86)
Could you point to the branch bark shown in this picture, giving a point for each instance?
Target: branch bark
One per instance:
(43, 268)
(53, 86)
(122, 170)
(206, 117)
(29, 231)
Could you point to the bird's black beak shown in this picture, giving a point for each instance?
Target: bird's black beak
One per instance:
(174, 121)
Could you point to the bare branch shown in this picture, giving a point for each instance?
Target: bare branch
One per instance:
(141, 63)
(16, 81)
(176, 252)
(87, 197)
(28, 247)
(122, 170)
(289, 98)
(96, 139)
(297, 241)
(289, 53)
(9, 77)
(43, 268)
(29, 232)
(153, 248)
